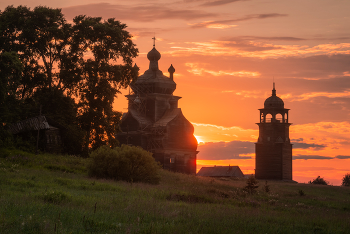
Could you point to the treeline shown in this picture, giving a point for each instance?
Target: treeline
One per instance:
(72, 71)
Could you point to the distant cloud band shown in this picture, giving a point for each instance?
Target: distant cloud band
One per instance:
(140, 13)
(208, 24)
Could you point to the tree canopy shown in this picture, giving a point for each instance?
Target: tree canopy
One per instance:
(74, 70)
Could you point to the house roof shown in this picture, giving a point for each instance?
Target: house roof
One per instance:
(221, 171)
(35, 123)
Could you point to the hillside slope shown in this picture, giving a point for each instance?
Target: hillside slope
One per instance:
(53, 194)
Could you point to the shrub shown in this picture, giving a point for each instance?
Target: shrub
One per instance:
(319, 180)
(55, 197)
(251, 185)
(128, 163)
(346, 180)
(266, 187)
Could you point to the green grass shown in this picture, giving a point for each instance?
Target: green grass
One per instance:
(53, 194)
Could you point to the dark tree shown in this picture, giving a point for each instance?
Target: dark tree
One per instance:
(10, 70)
(41, 40)
(346, 180)
(251, 185)
(106, 53)
(319, 180)
(87, 62)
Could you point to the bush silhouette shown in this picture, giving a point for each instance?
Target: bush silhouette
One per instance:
(318, 180)
(128, 163)
(346, 180)
(251, 185)
(267, 187)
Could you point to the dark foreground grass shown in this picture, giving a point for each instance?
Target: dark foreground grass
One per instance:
(52, 194)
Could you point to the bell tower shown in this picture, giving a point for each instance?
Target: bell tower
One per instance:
(273, 151)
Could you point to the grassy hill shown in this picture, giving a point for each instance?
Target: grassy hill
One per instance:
(53, 194)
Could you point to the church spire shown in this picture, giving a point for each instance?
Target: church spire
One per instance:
(273, 90)
(154, 41)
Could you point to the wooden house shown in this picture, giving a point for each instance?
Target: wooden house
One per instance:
(49, 132)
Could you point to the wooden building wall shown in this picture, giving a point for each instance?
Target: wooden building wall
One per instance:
(273, 161)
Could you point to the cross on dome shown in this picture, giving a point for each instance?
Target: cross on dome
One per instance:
(154, 41)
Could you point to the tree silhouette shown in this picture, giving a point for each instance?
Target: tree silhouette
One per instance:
(346, 180)
(87, 61)
(319, 180)
(251, 185)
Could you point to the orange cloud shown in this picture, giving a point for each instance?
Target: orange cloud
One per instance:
(213, 24)
(196, 70)
(215, 133)
(339, 128)
(257, 49)
(245, 93)
(331, 140)
(307, 96)
(134, 37)
(209, 24)
(221, 26)
(176, 75)
(148, 12)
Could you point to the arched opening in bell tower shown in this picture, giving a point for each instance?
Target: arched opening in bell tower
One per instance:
(269, 118)
(279, 118)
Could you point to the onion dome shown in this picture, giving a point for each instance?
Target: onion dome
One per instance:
(153, 55)
(171, 69)
(274, 102)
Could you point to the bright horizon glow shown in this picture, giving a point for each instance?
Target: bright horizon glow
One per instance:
(199, 139)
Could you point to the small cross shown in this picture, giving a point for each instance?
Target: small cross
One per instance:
(154, 41)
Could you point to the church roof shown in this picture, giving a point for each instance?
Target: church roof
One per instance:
(274, 102)
(141, 119)
(153, 80)
(167, 117)
(221, 171)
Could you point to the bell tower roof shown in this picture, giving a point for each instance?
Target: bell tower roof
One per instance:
(274, 102)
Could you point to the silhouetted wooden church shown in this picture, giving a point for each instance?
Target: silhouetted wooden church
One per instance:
(273, 150)
(155, 122)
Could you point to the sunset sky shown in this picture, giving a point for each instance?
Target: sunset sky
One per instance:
(227, 53)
